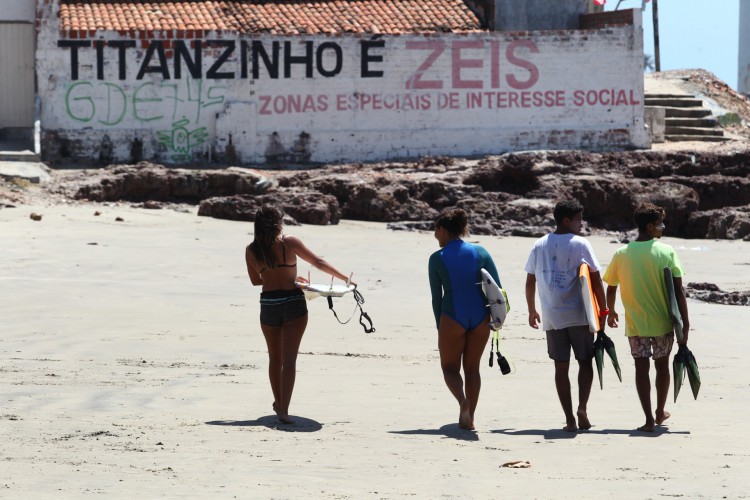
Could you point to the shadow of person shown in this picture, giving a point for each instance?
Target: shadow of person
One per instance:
(300, 424)
(545, 433)
(659, 430)
(561, 434)
(452, 431)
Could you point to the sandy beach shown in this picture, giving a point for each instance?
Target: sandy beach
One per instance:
(132, 363)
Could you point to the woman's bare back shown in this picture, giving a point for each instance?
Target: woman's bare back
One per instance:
(283, 275)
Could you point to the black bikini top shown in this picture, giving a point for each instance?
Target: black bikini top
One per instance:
(283, 264)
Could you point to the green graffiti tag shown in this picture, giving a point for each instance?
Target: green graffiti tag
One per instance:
(137, 100)
(112, 104)
(111, 87)
(81, 117)
(181, 140)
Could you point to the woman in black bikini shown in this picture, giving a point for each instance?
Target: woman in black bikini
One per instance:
(272, 262)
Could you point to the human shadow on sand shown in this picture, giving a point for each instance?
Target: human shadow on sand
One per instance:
(300, 424)
(452, 431)
(658, 431)
(561, 434)
(545, 433)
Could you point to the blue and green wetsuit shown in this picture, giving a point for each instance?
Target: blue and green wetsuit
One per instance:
(455, 283)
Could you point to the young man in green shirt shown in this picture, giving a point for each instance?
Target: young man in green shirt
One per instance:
(638, 268)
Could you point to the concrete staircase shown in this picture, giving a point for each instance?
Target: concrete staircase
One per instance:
(685, 118)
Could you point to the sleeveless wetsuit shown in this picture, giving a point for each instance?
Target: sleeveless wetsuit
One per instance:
(455, 282)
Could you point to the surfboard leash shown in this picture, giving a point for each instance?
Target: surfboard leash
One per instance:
(502, 362)
(363, 316)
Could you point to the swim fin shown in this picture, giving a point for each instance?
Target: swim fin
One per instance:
(678, 369)
(599, 356)
(609, 346)
(692, 372)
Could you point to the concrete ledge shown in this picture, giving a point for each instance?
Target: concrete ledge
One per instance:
(33, 172)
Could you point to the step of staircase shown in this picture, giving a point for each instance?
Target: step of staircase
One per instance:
(691, 122)
(678, 96)
(693, 131)
(10, 153)
(17, 144)
(671, 112)
(673, 102)
(700, 138)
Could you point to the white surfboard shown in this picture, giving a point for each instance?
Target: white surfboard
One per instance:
(315, 290)
(497, 300)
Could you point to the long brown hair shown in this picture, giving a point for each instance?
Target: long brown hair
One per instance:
(268, 224)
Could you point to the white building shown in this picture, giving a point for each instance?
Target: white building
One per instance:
(183, 81)
(17, 48)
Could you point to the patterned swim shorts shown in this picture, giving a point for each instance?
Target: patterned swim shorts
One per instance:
(279, 306)
(642, 347)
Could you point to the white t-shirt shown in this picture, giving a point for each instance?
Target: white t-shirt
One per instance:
(554, 261)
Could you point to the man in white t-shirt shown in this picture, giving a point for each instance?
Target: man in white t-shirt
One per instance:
(553, 269)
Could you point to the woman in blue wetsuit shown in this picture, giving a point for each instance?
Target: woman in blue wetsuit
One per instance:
(271, 261)
(460, 308)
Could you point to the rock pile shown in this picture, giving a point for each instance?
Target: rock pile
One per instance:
(708, 292)
(706, 195)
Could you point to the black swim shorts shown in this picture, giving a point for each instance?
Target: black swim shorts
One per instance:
(279, 306)
(579, 338)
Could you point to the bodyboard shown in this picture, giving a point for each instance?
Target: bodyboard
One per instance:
(674, 309)
(497, 300)
(590, 304)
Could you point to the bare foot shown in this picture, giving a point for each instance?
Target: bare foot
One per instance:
(648, 427)
(661, 416)
(583, 421)
(284, 419)
(570, 428)
(464, 418)
(275, 408)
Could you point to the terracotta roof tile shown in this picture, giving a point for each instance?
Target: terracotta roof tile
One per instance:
(282, 17)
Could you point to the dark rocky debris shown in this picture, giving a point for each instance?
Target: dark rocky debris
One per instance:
(706, 195)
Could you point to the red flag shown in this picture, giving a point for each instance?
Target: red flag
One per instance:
(600, 2)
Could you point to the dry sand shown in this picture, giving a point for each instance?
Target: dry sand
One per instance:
(132, 363)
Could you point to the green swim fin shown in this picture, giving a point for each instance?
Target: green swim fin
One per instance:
(678, 369)
(599, 356)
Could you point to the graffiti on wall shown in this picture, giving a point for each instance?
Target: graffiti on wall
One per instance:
(180, 91)
(180, 105)
(182, 141)
(108, 104)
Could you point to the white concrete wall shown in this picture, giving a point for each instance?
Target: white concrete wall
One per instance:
(18, 10)
(743, 80)
(424, 95)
